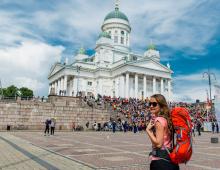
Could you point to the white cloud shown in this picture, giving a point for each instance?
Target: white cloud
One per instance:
(194, 86)
(28, 64)
(29, 29)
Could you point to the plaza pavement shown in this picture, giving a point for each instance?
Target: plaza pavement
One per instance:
(93, 150)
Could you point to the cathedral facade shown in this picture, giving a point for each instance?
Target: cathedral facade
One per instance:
(113, 70)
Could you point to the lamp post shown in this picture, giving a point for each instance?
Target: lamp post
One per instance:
(77, 70)
(209, 74)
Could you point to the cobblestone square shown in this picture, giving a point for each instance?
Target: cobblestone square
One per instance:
(94, 150)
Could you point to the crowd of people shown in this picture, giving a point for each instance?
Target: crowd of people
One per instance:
(134, 113)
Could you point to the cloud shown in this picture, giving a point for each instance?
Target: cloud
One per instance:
(185, 26)
(35, 34)
(194, 86)
(28, 64)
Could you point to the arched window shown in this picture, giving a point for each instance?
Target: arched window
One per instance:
(122, 37)
(115, 39)
(122, 40)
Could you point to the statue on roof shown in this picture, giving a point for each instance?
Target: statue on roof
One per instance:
(82, 51)
(151, 46)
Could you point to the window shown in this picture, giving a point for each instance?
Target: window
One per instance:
(115, 39)
(134, 58)
(89, 83)
(122, 32)
(122, 40)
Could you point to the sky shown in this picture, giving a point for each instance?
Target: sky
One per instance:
(36, 34)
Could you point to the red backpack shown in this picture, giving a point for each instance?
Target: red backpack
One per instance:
(182, 124)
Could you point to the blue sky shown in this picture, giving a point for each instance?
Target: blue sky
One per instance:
(35, 34)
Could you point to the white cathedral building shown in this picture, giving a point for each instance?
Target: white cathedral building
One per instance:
(113, 70)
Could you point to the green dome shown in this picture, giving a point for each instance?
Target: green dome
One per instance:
(82, 51)
(104, 34)
(116, 14)
(151, 47)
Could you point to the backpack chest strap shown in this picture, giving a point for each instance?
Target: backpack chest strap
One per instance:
(160, 153)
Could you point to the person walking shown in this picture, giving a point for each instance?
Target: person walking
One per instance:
(47, 127)
(87, 124)
(217, 128)
(213, 127)
(160, 132)
(52, 127)
(198, 126)
(113, 126)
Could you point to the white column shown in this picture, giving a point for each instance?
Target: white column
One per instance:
(136, 86)
(116, 87)
(100, 86)
(59, 86)
(127, 86)
(55, 87)
(145, 86)
(161, 86)
(50, 87)
(154, 85)
(128, 39)
(169, 90)
(75, 86)
(122, 86)
(61, 83)
(65, 84)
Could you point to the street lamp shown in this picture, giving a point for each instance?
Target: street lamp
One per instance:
(209, 74)
(77, 70)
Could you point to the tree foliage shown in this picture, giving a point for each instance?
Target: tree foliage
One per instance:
(13, 91)
(25, 92)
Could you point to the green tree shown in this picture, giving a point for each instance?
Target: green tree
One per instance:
(25, 92)
(10, 91)
(13, 91)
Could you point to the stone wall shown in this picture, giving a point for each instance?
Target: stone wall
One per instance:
(31, 115)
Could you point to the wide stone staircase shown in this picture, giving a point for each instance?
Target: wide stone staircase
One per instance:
(66, 111)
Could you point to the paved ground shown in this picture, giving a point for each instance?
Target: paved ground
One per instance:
(93, 150)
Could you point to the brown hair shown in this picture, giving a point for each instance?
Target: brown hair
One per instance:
(164, 110)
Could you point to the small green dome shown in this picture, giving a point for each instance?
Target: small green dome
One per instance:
(104, 34)
(116, 14)
(82, 51)
(151, 47)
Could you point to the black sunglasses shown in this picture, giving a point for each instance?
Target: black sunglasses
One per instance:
(154, 104)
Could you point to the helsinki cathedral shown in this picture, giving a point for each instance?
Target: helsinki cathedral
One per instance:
(113, 70)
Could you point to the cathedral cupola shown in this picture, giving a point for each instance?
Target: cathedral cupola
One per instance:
(152, 53)
(117, 25)
(81, 54)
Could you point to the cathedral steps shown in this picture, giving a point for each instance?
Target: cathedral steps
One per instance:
(31, 115)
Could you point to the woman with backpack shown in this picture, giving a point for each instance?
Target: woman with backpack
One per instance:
(159, 131)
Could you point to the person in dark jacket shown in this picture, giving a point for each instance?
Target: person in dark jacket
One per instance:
(113, 126)
(47, 127)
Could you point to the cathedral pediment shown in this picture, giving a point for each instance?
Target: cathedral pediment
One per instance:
(150, 64)
(54, 69)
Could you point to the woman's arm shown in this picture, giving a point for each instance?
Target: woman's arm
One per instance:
(157, 140)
